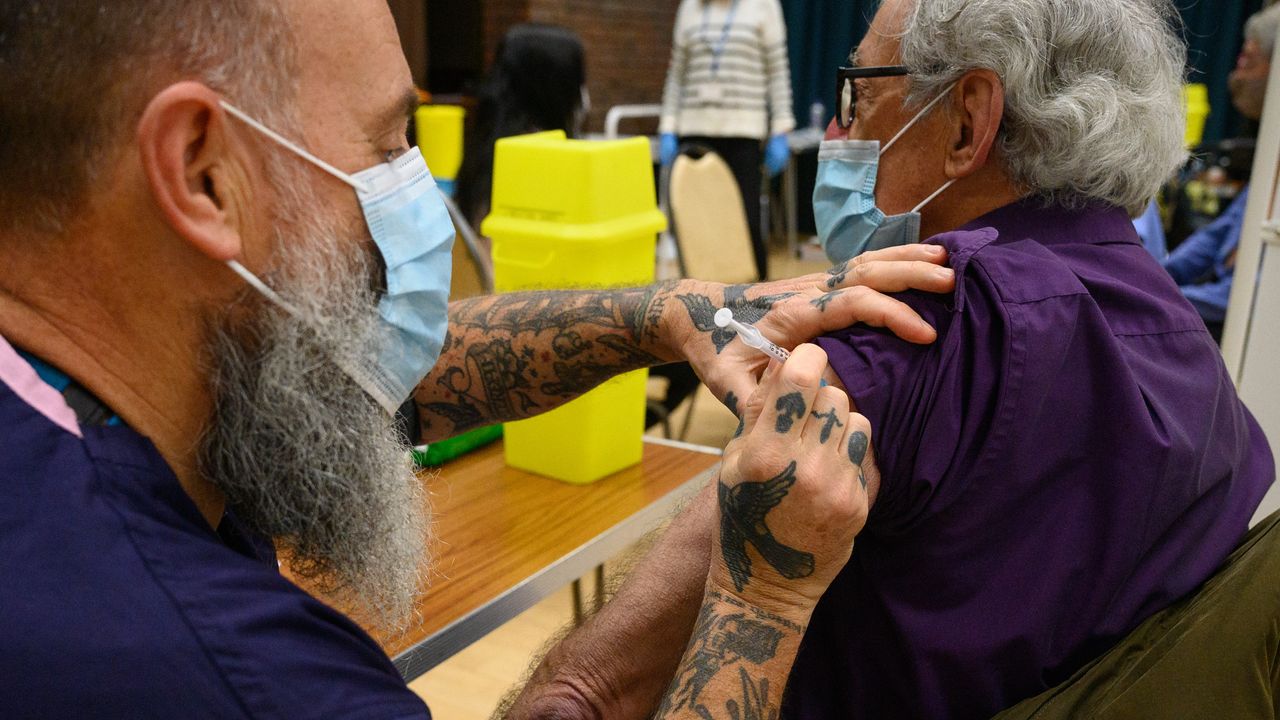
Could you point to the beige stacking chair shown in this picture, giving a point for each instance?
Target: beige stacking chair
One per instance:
(710, 222)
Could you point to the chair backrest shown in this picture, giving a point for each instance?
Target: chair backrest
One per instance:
(710, 221)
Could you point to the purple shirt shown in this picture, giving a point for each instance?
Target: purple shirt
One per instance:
(119, 601)
(1068, 458)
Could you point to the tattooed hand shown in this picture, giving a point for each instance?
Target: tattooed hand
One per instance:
(792, 492)
(791, 497)
(791, 312)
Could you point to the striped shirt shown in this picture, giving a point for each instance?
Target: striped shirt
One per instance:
(729, 75)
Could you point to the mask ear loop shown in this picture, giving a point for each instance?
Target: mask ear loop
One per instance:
(932, 197)
(924, 111)
(356, 375)
(296, 148)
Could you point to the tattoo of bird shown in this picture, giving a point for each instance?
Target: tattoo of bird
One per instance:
(742, 520)
(702, 312)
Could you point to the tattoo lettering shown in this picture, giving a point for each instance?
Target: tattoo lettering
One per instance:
(832, 422)
(858, 453)
(742, 512)
(642, 309)
(838, 275)
(731, 402)
(790, 408)
(822, 302)
(743, 637)
(702, 312)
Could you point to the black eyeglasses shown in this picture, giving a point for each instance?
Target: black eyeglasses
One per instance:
(847, 90)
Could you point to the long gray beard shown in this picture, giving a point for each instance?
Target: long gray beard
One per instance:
(304, 455)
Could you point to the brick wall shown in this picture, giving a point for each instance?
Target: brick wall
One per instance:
(628, 46)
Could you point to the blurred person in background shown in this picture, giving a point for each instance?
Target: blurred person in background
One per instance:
(1204, 264)
(538, 83)
(729, 90)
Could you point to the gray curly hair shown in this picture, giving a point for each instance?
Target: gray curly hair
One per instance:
(1093, 88)
(1262, 28)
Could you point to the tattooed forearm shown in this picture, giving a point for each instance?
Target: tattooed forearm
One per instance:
(742, 512)
(731, 635)
(511, 356)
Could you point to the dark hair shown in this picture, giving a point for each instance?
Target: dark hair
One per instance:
(535, 85)
(76, 74)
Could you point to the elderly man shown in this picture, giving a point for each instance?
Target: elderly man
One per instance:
(1204, 264)
(1071, 455)
(206, 321)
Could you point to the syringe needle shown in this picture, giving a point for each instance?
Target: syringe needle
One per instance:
(751, 336)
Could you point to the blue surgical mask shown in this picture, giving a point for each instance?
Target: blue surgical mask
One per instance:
(844, 197)
(413, 231)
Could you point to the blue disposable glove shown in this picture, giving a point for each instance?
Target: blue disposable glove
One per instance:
(668, 148)
(777, 154)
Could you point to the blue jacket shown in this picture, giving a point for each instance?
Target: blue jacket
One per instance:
(1209, 249)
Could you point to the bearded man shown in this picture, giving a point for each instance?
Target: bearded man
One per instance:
(221, 273)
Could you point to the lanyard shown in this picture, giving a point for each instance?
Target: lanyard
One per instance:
(717, 50)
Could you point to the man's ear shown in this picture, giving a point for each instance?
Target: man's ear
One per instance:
(185, 155)
(977, 111)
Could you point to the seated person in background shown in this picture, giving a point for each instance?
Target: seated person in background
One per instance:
(1071, 456)
(538, 83)
(1204, 264)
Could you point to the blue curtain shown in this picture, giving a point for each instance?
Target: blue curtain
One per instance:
(1214, 33)
(820, 34)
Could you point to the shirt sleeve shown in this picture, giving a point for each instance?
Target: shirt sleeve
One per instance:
(1196, 256)
(932, 407)
(674, 87)
(777, 69)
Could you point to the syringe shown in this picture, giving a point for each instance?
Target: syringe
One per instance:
(750, 335)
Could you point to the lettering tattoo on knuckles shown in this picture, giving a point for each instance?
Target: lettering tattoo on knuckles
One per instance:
(822, 302)
(858, 453)
(831, 422)
(790, 407)
(731, 402)
(838, 275)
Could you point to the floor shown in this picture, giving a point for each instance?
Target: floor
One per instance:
(470, 685)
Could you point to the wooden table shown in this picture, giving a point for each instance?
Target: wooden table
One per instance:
(507, 539)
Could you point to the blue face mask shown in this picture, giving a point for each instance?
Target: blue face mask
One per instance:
(413, 231)
(844, 197)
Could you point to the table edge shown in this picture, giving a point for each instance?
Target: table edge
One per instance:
(455, 637)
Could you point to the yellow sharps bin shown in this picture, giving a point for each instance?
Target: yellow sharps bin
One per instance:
(440, 135)
(576, 214)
